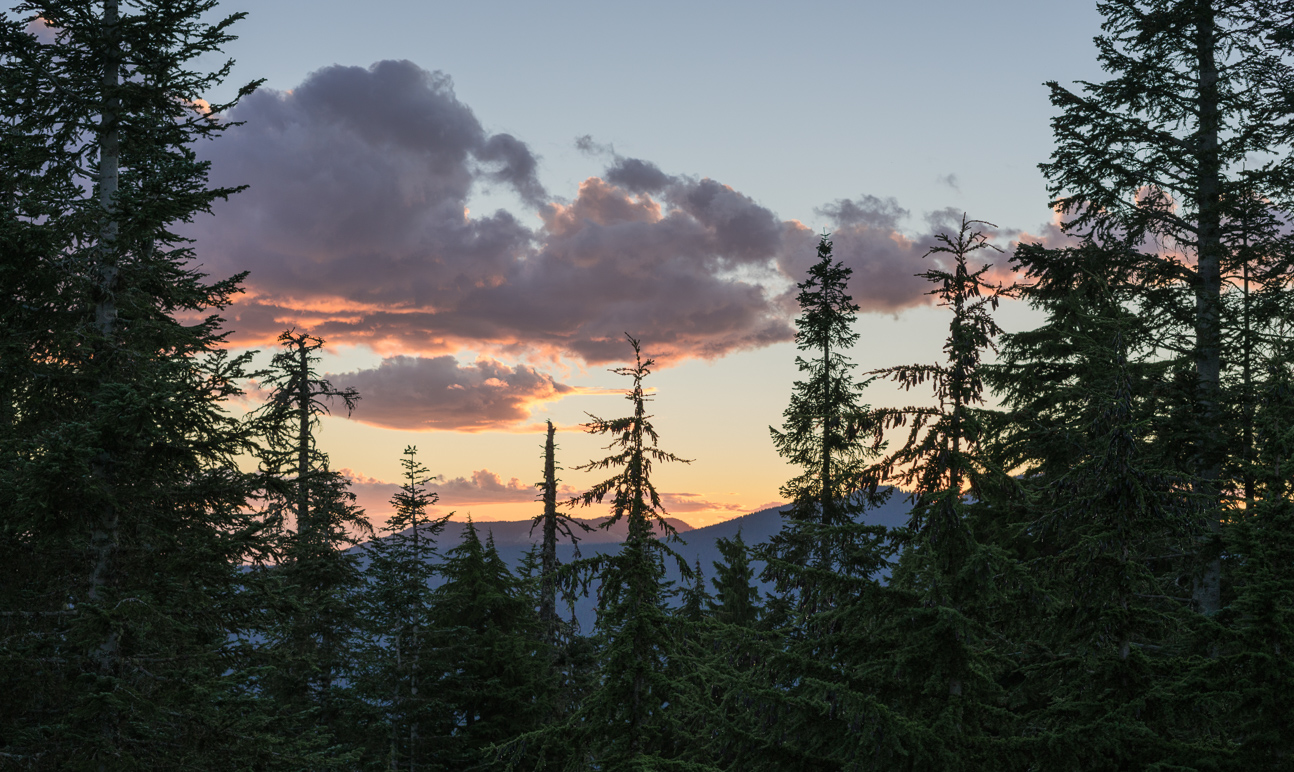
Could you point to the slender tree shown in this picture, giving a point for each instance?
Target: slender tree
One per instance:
(636, 715)
(951, 582)
(312, 624)
(555, 523)
(400, 668)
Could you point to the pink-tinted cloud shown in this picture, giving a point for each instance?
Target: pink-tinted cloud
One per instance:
(418, 393)
(355, 227)
(676, 503)
(486, 487)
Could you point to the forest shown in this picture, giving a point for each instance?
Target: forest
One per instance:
(1096, 572)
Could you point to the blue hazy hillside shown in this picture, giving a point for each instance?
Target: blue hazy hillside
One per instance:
(514, 538)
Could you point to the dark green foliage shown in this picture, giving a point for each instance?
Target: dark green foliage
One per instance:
(312, 622)
(124, 513)
(822, 424)
(399, 665)
(1167, 154)
(949, 586)
(636, 716)
(737, 600)
(555, 523)
(496, 681)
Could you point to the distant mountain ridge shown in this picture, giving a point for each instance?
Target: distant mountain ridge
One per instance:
(514, 538)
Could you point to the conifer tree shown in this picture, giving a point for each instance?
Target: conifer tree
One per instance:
(804, 696)
(737, 600)
(554, 523)
(822, 425)
(117, 463)
(636, 716)
(400, 669)
(1258, 665)
(1106, 689)
(951, 581)
(496, 682)
(1163, 157)
(314, 627)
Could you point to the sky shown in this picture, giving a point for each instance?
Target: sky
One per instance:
(472, 204)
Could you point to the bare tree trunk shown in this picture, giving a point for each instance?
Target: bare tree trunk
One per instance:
(548, 578)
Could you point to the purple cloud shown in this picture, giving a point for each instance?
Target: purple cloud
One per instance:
(417, 393)
(355, 227)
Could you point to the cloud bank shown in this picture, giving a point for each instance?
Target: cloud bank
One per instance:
(355, 226)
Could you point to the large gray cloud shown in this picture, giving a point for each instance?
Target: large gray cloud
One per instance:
(418, 393)
(355, 227)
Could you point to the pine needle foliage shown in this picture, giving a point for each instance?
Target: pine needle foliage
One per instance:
(313, 626)
(636, 716)
(496, 682)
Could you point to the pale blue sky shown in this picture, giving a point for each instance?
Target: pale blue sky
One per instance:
(937, 104)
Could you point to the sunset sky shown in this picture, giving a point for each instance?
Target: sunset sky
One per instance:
(473, 202)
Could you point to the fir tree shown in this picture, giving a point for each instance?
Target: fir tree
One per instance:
(950, 581)
(737, 600)
(1162, 155)
(636, 716)
(554, 523)
(312, 632)
(496, 682)
(118, 466)
(400, 669)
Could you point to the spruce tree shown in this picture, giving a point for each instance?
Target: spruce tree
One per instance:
(950, 582)
(1257, 665)
(736, 600)
(555, 523)
(313, 627)
(496, 682)
(118, 465)
(803, 694)
(1167, 156)
(399, 666)
(636, 716)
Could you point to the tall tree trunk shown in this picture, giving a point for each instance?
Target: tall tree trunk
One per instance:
(304, 526)
(548, 553)
(105, 535)
(1208, 299)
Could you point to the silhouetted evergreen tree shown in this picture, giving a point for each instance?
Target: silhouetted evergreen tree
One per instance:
(1162, 157)
(400, 669)
(737, 599)
(554, 523)
(496, 681)
(313, 622)
(636, 716)
(124, 511)
(946, 660)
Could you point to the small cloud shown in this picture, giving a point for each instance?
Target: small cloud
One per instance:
(418, 393)
(586, 144)
(486, 487)
(950, 180)
(692, 502)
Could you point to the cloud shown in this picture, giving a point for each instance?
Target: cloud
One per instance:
(950, 180)
(355, 226)
(417, 393)
(867, 237)
(486, 487)
(677, 503)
